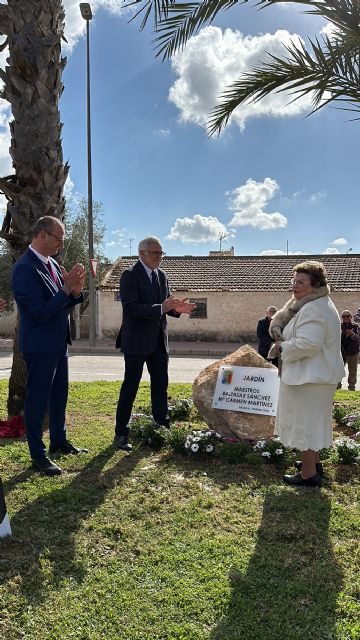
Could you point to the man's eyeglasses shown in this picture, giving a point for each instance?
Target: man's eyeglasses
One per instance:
(158, 254)
(56, 237)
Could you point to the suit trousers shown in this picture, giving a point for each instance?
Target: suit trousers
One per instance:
(352, 363)
(47, 390)
(157, 365)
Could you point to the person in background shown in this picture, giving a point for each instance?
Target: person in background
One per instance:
(143, 337)
(263, 334)
(307, 334)
(350, 336)
(44, 294)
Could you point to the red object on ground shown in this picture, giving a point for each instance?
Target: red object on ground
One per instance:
(14, 428)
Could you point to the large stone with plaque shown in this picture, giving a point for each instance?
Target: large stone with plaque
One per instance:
(237, 396)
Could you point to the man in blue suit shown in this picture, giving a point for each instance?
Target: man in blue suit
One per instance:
(44, 294)
(146, 299)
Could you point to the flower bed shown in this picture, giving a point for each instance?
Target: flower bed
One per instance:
(184, 439)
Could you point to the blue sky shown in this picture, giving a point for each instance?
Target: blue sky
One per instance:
(273, 177)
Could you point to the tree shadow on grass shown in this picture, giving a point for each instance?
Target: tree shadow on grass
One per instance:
(43, 542)
(292, 580)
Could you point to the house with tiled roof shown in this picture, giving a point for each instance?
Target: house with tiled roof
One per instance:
(231, 292)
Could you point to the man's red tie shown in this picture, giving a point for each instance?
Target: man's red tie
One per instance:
(52, 272)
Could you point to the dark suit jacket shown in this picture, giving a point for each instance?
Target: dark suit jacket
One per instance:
(142, 319)
(43, 307)
(264, 337)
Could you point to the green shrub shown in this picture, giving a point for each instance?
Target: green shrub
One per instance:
(176, 437)
(339, 413)
(347, 450)
(145, 431)
(233, 452)
(272, 451)
(181, 409)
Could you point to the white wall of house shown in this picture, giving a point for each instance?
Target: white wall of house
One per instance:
(231, 316)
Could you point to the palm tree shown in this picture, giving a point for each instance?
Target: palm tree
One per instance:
(33, 30)
(329, 69)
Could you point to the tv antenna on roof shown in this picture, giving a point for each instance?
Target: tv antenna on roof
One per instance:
(131, 240)
(222, 237)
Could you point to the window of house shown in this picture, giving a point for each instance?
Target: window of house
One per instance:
(201, 308)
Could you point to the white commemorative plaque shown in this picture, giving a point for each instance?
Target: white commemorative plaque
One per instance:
(247, 389)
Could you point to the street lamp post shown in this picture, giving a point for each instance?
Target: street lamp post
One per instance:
(86, 13)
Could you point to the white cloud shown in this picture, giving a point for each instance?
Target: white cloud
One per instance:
(69, 187)
(272, 252)
(213, 59)
(75, 25)
(317, 197)
(121, 238)
(248, 203)
(162, 132)
(329, 30)
(197, 229)
(279, 252)
(340, 241)
(330, 250)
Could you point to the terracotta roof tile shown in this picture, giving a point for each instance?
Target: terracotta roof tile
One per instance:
(242, 273)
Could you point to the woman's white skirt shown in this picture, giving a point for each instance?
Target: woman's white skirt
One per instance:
(304, 416)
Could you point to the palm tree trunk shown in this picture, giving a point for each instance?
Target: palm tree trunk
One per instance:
(17, 382)
(33, 86)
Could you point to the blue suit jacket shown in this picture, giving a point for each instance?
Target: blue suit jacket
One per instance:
(43, 307)
(142, 319)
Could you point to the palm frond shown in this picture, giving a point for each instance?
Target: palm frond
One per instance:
(184, 20)
(158, 8)
(321, 72)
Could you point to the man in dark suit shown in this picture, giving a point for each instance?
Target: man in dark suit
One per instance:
(143, 337)
(263, 334)
(44, 294)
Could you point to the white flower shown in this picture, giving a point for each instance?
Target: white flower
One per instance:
(260, 444)
(276, 439)
(208, 434)
(195, 447)
(196, 439)
(278, 452)
(209, 448)
(187, 444)
(266, 454)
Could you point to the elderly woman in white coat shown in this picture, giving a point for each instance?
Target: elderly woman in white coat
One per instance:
(307, 334)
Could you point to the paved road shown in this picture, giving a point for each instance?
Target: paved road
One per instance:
(90, 367)
(111, 367)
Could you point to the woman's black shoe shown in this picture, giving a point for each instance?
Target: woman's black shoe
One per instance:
(319, 467)
(298, 481)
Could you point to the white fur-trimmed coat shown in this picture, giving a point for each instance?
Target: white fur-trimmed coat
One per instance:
(311, 349)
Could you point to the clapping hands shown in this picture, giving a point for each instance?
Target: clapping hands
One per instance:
(177, 304)
(184, 306)
(74, 279)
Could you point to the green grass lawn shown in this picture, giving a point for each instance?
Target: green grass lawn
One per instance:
(154, 546)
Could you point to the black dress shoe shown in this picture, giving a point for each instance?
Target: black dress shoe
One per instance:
(298, 481)
(319, 467)
(121, 443)
(67, 448)
(46, 466)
